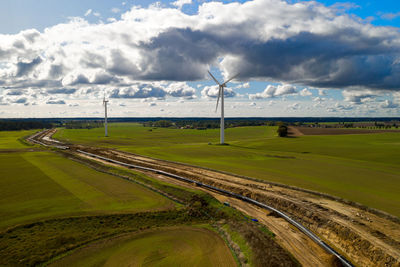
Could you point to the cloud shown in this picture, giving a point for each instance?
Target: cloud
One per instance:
(24, 68)
(139, 91)
(305, 92)
(181, 3)
(339, 107)
(359, 96)
(274, 91)
(322, 92)
(243, 85)
(312, 45)
(88, 12)
(55, 102)
(389, 104)
(115, 10)
(181, 89)
(390, 16)
(294, 106)
(66, 91)
(212, 92)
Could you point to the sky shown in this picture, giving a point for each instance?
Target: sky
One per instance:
(292, 58)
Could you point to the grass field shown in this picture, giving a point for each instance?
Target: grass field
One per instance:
(36, 185)
(10, 139)
(177, 246)
(362, 168)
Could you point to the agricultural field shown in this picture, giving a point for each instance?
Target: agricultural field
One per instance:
(364, 168)
(53, 207)
(176, 246)
(37, 185)
(13, 139)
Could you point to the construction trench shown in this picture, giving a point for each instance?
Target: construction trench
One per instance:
(363, 236)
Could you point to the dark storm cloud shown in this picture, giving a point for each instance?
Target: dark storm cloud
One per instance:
(179, 55)
(340, 59)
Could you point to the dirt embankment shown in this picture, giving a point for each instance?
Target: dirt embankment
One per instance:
(366, 238)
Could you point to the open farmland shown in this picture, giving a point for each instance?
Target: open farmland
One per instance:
(177, 246)
(362, 168)
(39, 185)
(12, 139)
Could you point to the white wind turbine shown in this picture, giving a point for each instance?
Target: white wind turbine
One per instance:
(221, 95)
(105, 115)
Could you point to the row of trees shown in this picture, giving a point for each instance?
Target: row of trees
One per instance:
(205, 124)
(9, 125)
(83, 124)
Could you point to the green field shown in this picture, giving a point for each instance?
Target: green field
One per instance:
(35, 185)
(363, 168)
(11, 139)
(177, 246)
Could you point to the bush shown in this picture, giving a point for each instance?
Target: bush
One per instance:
(282, 131)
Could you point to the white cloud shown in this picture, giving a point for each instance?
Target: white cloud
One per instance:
(115, 10)
(305, 92)
(274, 91)
(359, 96)
(389, 104)
(243, 85)
(212, 92)
(322, 92)
(88, 12)
(181, 3)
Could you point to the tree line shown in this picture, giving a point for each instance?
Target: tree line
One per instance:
(10, 125)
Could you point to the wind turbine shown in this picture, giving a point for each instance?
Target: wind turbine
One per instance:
(221, 95)
(105, 115)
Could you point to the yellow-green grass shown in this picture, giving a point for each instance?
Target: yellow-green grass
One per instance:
(364, 168)
(176, 246)
(10, 139)
(38, 185)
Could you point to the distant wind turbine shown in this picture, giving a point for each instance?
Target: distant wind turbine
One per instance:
(105, 115)
(221, 95)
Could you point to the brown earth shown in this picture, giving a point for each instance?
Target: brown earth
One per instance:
(367, 237)
(298, 131)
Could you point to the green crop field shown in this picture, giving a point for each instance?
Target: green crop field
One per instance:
(10, 139)
(363, 168)
(35, 185)
(177, 246)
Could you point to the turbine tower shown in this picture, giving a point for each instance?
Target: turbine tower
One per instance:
(221, 95)
(105, 115)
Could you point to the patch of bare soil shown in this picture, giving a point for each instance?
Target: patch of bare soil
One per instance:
(294, 132)
(334, 131)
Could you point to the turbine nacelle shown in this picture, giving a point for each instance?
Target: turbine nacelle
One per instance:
(221, 86)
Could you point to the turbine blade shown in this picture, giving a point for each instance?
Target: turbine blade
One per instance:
(219, 94)
(213, 78)
(233, 77)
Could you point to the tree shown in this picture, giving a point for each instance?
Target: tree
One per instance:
(282, 131)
